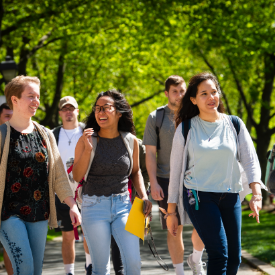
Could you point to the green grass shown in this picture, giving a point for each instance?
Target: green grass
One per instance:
(248, 197)
(52, 234)
(259, 239)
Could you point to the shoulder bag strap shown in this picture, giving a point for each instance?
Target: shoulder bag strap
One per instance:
(236, 122)
(186, 125)
(159, 120)
(56, 132)
(3, 130)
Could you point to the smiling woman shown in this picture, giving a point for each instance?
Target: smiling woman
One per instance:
(31, 172)
(205, 173)
(105, 156)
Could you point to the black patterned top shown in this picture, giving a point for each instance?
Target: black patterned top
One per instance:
(26, 190)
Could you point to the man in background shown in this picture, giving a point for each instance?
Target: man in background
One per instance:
(5, 113)
(67, 137)
(158, 137)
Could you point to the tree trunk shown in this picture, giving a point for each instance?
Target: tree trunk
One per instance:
(51, 118)
(263, 141)
(22, 66)
(262, 129)
(1, 18)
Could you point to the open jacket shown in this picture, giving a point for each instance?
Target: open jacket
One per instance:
(249, 165)
(57, 179)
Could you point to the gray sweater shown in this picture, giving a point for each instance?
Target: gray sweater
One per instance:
(178, 160)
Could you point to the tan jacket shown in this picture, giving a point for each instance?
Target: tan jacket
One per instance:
(58, 180)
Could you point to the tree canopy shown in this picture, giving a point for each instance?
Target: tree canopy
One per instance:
(80, 48)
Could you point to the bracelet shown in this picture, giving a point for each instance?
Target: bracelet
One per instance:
(167, 214)
(170, 214)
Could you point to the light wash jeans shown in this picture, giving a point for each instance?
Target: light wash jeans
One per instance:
(25, 244)
(101, 218)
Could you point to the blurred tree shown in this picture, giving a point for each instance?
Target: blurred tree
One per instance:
(241, 33)
(80, 48)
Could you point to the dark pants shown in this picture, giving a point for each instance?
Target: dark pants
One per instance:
(116, 257)
(218, 223)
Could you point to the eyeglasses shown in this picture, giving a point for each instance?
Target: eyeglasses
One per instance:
(65, 109)
(105, 108)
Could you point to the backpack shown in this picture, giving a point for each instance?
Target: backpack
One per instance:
(56, 131)
(142, 163)
(270, 171)
(142, 166)
(186, 125)
(159, 119)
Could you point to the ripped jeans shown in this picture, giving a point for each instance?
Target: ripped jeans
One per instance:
(25, 244)
(103, 217)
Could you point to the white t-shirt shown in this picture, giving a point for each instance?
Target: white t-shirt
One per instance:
(67, 151)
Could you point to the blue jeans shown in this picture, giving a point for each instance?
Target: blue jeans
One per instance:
(25, 244)
(101, 218)
(218, 223)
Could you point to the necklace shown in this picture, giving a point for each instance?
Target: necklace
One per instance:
(209, 137)
(68, 137)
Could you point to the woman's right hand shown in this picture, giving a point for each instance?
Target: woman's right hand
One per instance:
(75, 216)
(87, 138)
(172, 225)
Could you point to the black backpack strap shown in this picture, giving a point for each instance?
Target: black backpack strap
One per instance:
(3, 130)
(186, 125)
(236, 122)
(56, 132)
(159, 120)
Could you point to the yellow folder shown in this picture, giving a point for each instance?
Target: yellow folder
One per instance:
(136, 219)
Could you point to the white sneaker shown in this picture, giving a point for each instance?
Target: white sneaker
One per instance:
(197, 268)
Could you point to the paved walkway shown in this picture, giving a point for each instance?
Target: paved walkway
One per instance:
(53, 261)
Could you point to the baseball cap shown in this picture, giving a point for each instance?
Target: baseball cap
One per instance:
(67, 100)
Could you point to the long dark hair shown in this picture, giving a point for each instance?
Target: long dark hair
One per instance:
(187, 109)
(125, 122)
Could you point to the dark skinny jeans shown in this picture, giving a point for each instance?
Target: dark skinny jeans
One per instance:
(218, 223)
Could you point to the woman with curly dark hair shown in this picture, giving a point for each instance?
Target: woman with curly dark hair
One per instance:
(205, 177)
(106, 155)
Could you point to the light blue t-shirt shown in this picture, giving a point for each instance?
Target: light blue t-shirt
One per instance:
(212, 158)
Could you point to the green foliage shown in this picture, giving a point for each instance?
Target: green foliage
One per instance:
(80, 48)
(52, 234)
(259, 239)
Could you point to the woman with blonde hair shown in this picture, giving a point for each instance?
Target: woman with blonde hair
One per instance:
(31, 172)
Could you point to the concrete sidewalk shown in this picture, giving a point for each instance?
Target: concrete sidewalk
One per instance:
(53, 260)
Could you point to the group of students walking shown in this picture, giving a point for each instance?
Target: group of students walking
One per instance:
(194, 155)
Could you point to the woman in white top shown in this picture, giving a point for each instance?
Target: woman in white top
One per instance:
(205, 178)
